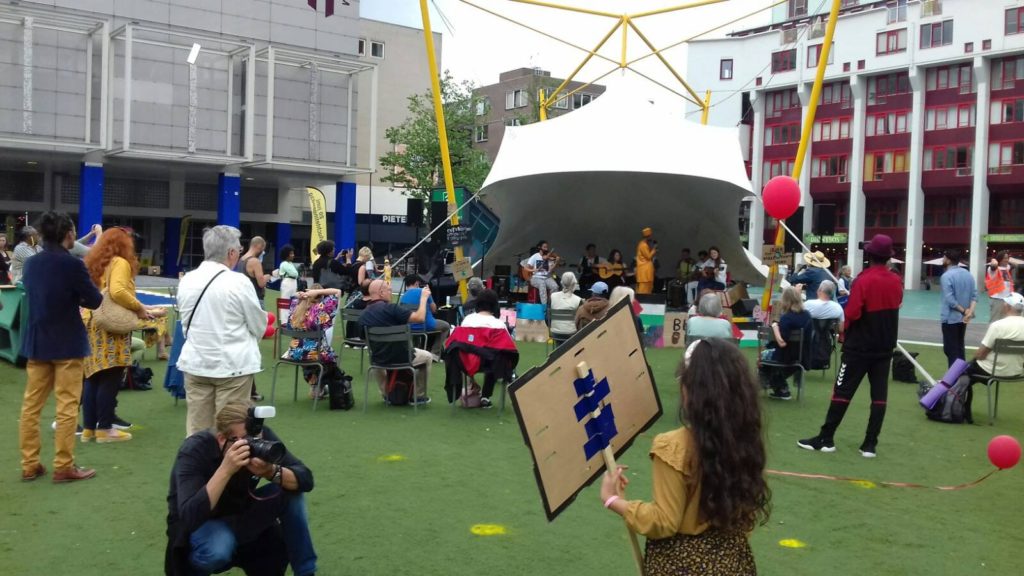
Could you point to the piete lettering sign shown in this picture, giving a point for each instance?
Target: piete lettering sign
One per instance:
(392, 218)
(458, 235)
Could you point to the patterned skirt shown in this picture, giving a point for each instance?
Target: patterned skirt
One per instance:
(712, 553)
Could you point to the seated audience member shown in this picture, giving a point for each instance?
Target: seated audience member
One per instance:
(565, 299)
(217, 518)
(474, 286)
(778, 349)
(437, 330)
(622, 293)
(813, 274)
(708, 322)
(313, 310)
(708, 280)
(824, 307)
(380, 312)
(1009, 327)
(595, 307)
(480, 344)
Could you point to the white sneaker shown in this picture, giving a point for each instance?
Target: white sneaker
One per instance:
(867, 454)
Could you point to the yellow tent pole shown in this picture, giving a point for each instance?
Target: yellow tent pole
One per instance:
(695, 98)
(554, 95)
(625, 40)
(569, 8)
(542, 110)
(707, 108)
(442, 131)
(675, 8)
(805, 137)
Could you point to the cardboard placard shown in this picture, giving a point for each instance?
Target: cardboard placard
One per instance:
(545, 398)
(771, 254)
(462, 269)
(675, 329)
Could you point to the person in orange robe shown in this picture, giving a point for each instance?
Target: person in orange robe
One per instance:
(646, 249)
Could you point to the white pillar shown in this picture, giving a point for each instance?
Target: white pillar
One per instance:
(980, 196)
(915, 194)
(855, 227)
(755, 238)
(806, 201)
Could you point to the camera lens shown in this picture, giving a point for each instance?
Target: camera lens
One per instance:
(266, 450)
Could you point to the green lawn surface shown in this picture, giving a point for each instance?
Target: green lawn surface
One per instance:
(398, 494)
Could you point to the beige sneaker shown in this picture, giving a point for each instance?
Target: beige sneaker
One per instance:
(112, 435)
(88, 435)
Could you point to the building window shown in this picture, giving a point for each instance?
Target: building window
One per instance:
(781, 100)
(377, 49)
(481, 133)
(1007, 111)
(580, 100)
(832, 129)
(824, 166)
(959, 158)
(959, 76)
(797, 8)
(1014, 21)
(952, 116)
(891, 123)
(947, 211)
(515, 99)
(1007, 211)
(773, 168)
(814, 54)
(876, 164)
(361, 47)
(986, 44)
(725, 69)
(1003, 155)
(784, 60)
(513, 122)
(891, 42)
(885, 213)
(483, 106)
(968, 47)
(937, 34)
(781, 134)
(562, 103)
(889, 85)
(896, 11)
(836, 93)
(1006, 71)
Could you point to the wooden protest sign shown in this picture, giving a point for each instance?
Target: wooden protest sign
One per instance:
(548, 406)
(462, 269)
(772, 255)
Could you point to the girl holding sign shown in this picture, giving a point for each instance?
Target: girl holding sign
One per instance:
(709, 486)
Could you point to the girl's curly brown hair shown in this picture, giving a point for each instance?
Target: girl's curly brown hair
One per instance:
(721, 405)
(113, 242)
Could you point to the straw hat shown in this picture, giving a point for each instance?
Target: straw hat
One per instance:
(817, 260)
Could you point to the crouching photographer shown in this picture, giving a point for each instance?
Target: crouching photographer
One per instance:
(218, 518)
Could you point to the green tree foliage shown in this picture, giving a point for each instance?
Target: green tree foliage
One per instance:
(417, 167)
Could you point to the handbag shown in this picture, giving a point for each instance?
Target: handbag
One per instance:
(112, 317)
(471, 395)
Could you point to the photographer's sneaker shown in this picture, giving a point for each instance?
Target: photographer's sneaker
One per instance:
(88, 435)
(120, 424)
(868, 451)
(112, 435)
(817, 444)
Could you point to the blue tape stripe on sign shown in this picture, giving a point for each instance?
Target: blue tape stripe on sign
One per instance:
(604, 424)
(594, 446)
(585, 407)
(601, 390)
(584, 385)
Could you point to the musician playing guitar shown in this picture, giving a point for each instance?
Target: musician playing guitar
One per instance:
(539, 268)
(614, 271)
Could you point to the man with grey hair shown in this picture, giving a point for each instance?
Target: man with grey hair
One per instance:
(708, 322)
(824, 307)
(1009, 327)
(223, 323)
(474, 286)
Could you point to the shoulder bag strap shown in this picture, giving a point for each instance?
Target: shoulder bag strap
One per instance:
(188, 327)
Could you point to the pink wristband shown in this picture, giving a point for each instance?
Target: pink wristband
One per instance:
(611, 500)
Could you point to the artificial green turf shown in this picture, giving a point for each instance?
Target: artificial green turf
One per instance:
(371, 515)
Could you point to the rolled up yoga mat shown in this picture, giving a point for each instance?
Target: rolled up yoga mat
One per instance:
(942, 386)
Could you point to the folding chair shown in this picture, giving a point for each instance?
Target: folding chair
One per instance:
(318, 335)
(558, 337)
(357, 340)
(283, 304)
(389, 335)
(421, 334)
(796, 338)
(1001, 346)
(826, 328)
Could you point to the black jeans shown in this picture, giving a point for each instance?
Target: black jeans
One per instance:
(99, 398)
(953, 341)
(852, 370)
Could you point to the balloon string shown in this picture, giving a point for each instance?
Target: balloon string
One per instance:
(887, 484)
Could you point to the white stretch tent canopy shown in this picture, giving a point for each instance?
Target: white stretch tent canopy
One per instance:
(605, 171)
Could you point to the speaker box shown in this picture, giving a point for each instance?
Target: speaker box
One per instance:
(825, 219)
(414, 212)
(502, 270)
(796, 224)
(438, 213)
(744, 308)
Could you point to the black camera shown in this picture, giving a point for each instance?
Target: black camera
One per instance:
(267, 450)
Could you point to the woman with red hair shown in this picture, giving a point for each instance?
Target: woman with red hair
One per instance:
(112, 266)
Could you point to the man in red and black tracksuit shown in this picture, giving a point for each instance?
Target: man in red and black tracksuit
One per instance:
(872, 323)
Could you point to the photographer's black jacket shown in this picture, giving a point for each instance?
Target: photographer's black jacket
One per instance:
(188, 503)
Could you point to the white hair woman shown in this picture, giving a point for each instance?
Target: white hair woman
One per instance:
(566, 299)
(708, 323)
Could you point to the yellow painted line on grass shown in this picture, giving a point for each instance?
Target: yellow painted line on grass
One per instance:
(792, 543)
(864, 483)
(488, 530)
(391, 458)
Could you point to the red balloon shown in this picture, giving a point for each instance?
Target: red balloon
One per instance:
(1004, 452)
(781, 197)
(271, 329)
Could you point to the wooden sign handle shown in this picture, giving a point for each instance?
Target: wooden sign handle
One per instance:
(582, 371)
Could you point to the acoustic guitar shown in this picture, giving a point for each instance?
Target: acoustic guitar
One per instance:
(606, 270)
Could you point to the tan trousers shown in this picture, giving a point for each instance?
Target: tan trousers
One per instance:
(64, 378)
(206, 396)
(421, 360)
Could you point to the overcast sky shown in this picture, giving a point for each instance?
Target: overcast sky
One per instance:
(479, 46)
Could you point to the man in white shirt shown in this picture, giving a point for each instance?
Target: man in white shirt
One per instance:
(1010, 327)
(541, 265)
(223, 323)
(824, 307)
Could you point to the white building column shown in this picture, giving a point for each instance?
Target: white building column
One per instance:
(806, 201)
(980, 195)
(855, 227)
(755, 238)
(915, 194)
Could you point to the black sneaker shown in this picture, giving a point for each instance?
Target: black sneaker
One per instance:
(118, 423)
(486, 403)
(818, 444)
(780, 394)
(868, 451)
